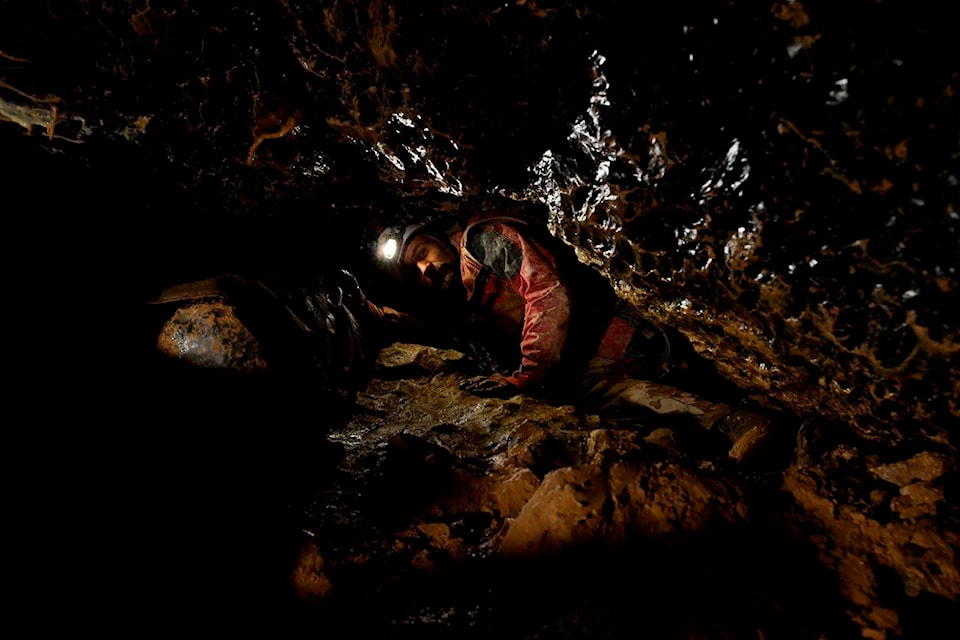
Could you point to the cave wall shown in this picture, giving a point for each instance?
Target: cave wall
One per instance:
(777, 180)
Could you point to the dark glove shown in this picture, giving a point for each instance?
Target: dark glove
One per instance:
(495, 386)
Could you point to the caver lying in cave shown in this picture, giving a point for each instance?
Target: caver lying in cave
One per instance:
(552, 326)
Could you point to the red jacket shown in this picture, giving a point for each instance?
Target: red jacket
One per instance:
(516, 294)
(567, 320)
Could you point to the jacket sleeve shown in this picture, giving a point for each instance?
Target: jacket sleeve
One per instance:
(546, 317)
(397, 326)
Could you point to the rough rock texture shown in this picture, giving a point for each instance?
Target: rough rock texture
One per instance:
(463, 506)
(777, 180)
(208, 334)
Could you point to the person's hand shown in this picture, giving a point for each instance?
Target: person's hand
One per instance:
(495, 386)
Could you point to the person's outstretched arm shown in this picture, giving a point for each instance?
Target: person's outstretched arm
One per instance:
(546, 315)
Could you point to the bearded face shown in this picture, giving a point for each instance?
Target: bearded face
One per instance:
(432, 263)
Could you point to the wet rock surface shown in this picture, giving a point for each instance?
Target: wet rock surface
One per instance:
(515, 518)
(777, 181)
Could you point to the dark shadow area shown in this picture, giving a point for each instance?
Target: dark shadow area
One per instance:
(742, 583)
(184, 502)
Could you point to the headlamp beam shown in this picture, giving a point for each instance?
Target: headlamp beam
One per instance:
(389, 250)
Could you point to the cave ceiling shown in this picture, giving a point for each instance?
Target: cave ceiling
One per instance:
(777, 180)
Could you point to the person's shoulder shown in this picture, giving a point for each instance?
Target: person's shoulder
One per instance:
(501, 222)
(493, 234)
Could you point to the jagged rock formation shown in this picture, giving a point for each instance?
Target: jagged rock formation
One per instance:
(777, 181)
(482, 516)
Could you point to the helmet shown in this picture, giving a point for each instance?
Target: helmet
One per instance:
(390, 246)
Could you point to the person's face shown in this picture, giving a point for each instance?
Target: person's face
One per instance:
(431, 263)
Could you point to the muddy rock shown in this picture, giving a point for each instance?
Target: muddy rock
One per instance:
(898, 550)
(775, 181)
(586, 506)
(506, 493)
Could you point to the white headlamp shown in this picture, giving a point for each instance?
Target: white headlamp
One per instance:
(390, 248)
(390, 245)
